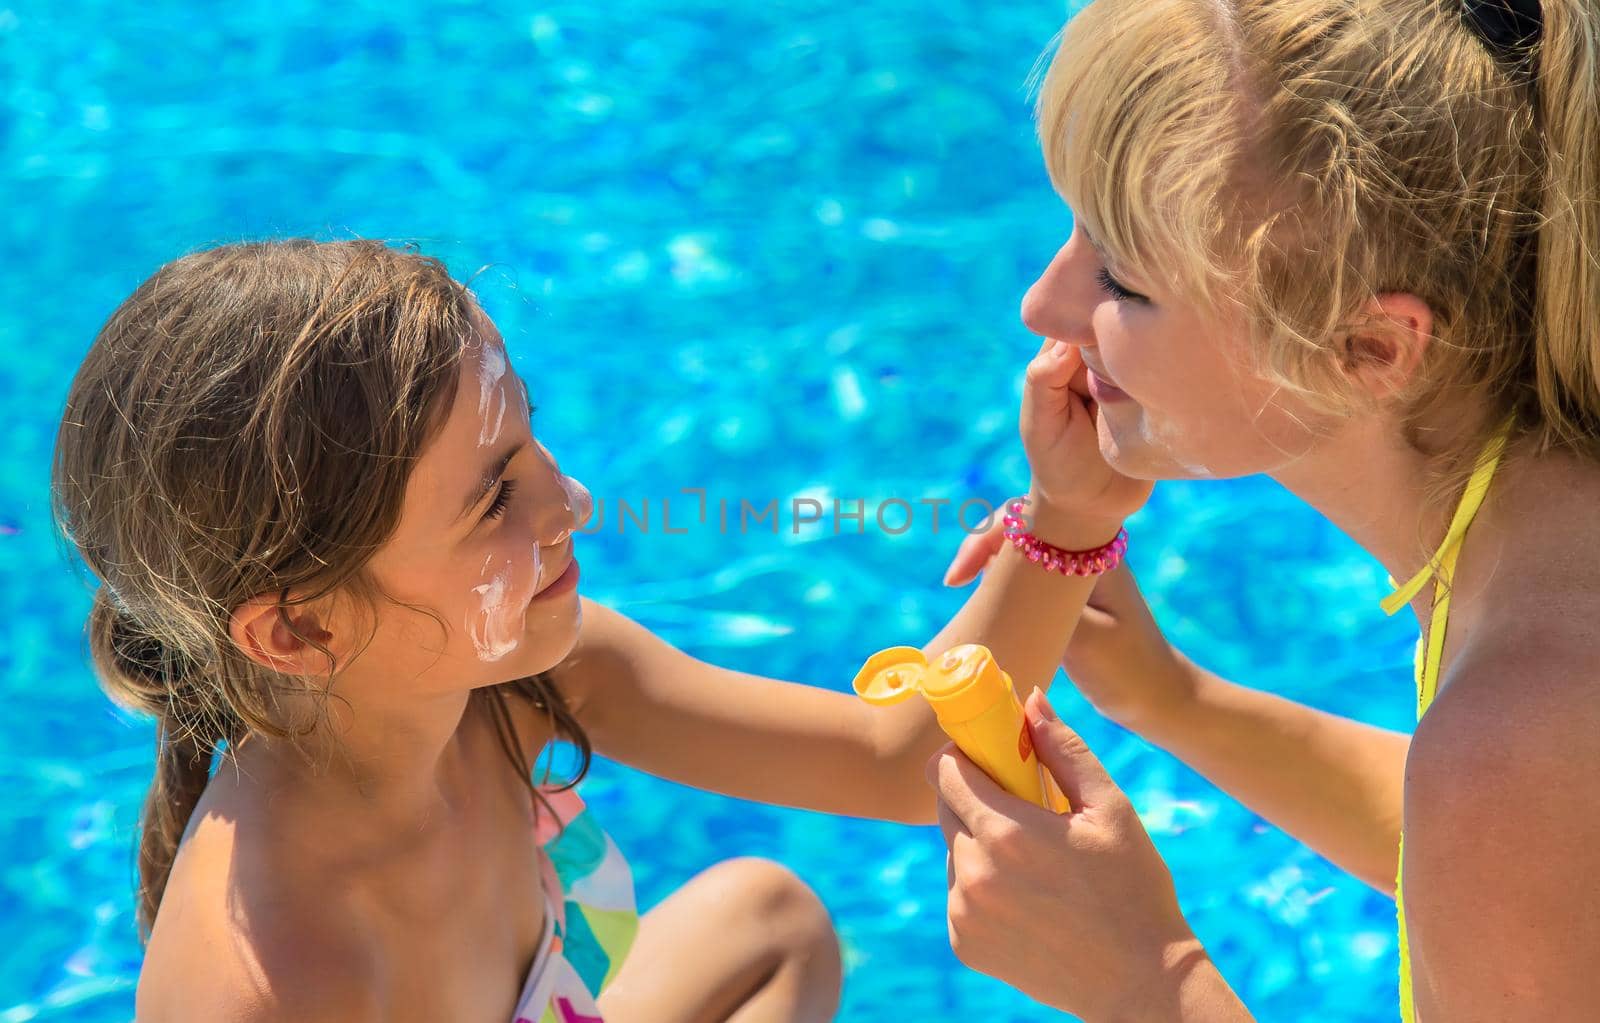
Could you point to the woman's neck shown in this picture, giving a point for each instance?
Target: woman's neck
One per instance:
(1375, 487)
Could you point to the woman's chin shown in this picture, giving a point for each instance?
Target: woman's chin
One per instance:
(1126, 451)
(1134, 453)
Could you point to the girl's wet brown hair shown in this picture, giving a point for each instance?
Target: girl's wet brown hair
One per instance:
(246, 423)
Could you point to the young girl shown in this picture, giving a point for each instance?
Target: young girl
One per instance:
(1355, 245)
(340, 572)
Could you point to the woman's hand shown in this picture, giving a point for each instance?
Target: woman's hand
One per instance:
(1118, 657)
(1060, 436)
(1077, 910)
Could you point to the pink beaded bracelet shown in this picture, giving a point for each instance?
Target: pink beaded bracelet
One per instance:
(1093, 562)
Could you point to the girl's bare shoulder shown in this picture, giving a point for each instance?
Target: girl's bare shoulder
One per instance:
(229, 944)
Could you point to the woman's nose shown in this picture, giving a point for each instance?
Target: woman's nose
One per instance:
(1061, 302)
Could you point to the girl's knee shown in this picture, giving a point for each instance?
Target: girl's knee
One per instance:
(784, 908)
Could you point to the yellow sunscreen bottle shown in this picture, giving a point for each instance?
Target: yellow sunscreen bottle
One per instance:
(975, 705)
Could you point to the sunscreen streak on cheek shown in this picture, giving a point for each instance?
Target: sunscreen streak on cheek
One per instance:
(496, 623)
(1163, 436)
(491, 394)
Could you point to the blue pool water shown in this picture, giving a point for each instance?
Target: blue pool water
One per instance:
(770, 249)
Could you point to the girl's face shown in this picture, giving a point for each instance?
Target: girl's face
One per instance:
(1177, 395)
(484, 543)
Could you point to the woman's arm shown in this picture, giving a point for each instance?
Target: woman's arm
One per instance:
(1333, 783)
(1077, 911)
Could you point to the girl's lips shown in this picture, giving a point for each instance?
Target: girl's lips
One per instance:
(566, 582)
(1103, 392)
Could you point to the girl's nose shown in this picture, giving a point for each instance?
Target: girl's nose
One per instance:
(571, 508)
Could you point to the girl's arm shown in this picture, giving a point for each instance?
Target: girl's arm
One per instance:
(650, 705)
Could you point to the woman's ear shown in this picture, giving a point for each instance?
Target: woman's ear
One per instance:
(1385, 352)
(288, 638)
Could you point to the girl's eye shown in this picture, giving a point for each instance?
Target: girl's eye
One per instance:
(1110, 286)
(502, 498)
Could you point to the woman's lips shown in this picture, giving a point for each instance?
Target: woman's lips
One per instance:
(566, 582)
(1103, 391)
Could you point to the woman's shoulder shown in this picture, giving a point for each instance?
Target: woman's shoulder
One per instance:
(1499, 819)
(1524, 689)
(1512, 742)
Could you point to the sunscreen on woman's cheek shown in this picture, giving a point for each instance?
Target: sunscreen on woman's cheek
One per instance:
(1164, 436)
(976, 706)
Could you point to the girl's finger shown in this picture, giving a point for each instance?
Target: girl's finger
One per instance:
(974, 554)
(1048, 391)
(966, 564)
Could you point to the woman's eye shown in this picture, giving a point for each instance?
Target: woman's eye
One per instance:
(502, 498)
(1110, 286)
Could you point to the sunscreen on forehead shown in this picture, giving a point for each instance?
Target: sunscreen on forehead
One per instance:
(976, 706)
(491, 395)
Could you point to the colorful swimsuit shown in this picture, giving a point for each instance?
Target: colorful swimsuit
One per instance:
(590, 920)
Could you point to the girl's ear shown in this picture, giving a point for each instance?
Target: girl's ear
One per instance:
(289, 639)
(1384, 354)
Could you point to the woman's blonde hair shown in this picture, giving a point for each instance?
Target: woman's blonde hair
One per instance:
(245, 424)
(1291, 159)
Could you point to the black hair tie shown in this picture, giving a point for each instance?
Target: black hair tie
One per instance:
(143, 654)
(1511, 29)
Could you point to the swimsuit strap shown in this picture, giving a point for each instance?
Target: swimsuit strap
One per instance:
(1430, 652)
(1443, 564)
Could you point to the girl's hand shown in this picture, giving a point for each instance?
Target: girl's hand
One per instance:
(1077, 910)
(1118, 657)
(1061, 438)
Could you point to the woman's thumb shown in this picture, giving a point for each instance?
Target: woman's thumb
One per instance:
(1083, 779)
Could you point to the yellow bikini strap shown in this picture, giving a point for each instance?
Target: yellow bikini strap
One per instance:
(1471, 501)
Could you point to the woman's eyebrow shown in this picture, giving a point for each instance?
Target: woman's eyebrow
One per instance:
(1106, 257)
(1094, 243)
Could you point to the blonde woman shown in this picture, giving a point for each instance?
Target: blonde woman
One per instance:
(1354, 245)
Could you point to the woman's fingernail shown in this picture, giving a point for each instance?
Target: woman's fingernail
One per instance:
(1060, 348)
(1046, 711)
